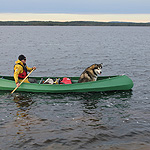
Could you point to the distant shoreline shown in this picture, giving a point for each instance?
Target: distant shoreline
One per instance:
(70, 23)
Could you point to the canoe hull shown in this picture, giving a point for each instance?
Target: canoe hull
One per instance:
(111, 83)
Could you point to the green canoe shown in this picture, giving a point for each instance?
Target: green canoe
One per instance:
(103, 83)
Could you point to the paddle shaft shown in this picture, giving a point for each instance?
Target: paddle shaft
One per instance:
(22, 82)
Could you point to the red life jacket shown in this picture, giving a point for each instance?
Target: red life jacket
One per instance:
(24, 74)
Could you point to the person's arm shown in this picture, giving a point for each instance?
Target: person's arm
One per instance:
(16, 73)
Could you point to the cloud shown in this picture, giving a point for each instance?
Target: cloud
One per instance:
(76, 6)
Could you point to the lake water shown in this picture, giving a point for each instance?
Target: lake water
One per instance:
(85, 121)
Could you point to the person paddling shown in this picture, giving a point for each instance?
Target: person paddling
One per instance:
(21, 69)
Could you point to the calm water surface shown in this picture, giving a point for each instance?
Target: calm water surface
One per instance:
(87, 121)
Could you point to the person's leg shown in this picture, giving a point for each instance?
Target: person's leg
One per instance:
(32, 80)
(25, 81)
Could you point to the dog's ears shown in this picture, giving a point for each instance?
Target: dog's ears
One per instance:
(100, 65)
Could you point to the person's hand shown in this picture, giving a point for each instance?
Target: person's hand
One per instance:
(34, 68)
(18, 84)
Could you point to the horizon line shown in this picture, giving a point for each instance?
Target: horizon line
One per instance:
(78, 21)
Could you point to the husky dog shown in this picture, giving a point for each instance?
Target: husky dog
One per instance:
(90, 73)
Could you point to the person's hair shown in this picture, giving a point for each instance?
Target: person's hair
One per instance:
(21, 57)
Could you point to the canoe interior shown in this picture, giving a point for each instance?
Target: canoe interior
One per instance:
(73, 79)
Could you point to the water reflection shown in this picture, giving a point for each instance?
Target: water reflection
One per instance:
(69, 117)
(92, 101)
(99, 108)
(23, 102)
(24, 120)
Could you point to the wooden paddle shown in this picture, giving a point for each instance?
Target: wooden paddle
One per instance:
(22, 82)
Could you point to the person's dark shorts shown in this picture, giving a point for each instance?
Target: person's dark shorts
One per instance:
(32, 80)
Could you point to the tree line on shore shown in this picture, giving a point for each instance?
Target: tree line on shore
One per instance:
(70, 23)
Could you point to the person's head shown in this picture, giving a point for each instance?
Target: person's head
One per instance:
(22, 58)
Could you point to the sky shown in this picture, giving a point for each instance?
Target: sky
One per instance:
(70, 10)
